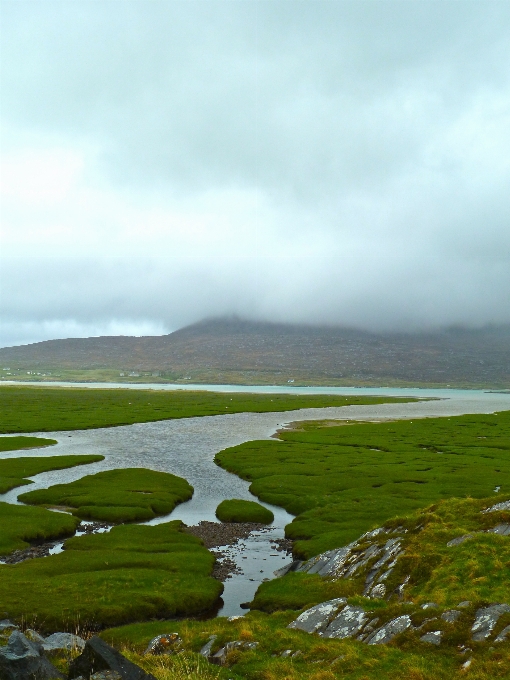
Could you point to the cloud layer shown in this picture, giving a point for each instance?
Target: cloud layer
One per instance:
(325, 162)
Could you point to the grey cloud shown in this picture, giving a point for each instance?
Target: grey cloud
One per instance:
(378, 128)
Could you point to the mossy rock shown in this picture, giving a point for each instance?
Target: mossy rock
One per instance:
(236, 510)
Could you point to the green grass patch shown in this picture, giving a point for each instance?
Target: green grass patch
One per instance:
(477, 570)
(342, 481)
(15, 443)
(48, 409)
(124, 495)
(13, 471)
(236, 510)
(300, 591)
(131, 573)
(21, 525)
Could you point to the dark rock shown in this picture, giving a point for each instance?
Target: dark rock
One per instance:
(99, 656)
(387, 632)
(486, 619)
(317, 618)
(22, 659)
(163, 644)
(450, 615)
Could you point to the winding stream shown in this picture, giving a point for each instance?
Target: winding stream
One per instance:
(187, 448)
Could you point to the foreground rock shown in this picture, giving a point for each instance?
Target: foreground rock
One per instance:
(99, 657)
(23, 659)
(336, 619)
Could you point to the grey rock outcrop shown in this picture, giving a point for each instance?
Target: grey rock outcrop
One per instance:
(433, 638)
(163, 644)
(347, 624)
(387, 632)
(63, 642)
(220, 657)
(345, 562)
(501, 529)
(504, 635)
(450, 615)
(22, 659)
(485, 620)
(499, 507)
(317, 618)
(98, 656)
(207, 648)
(335, 619)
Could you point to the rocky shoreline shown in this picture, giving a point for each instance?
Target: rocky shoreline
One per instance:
(218, 534)
(44, 548)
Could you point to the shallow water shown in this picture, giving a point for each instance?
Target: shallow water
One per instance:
(187, 448)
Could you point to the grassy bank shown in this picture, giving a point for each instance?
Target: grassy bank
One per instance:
(124, 495)
(17, 443)
(342, 481)
(48, 409)
(236, 510)
(132, 573)
(13, 471)
(21, 525)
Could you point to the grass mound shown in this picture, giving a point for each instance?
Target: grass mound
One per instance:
(21, 524)
(48, 409)
(13, 471)
(131, 573)
(243, 511)
(342, 481)
(125, 495)
(15, 443)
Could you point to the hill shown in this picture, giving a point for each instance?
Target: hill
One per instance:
(246, 352)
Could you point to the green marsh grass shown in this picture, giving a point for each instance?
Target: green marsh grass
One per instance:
(16, 443)
(343, 480)
(131, 573)
(236, 510)
(122, 495)
(48, 409)
(13, 471)
(21, 525)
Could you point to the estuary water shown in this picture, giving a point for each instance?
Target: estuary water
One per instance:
(186, 447)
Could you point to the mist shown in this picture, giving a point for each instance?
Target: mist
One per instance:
(319, 162)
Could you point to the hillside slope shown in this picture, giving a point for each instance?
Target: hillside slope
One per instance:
(232, 350)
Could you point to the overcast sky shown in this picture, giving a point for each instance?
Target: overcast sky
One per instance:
(305, 161)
